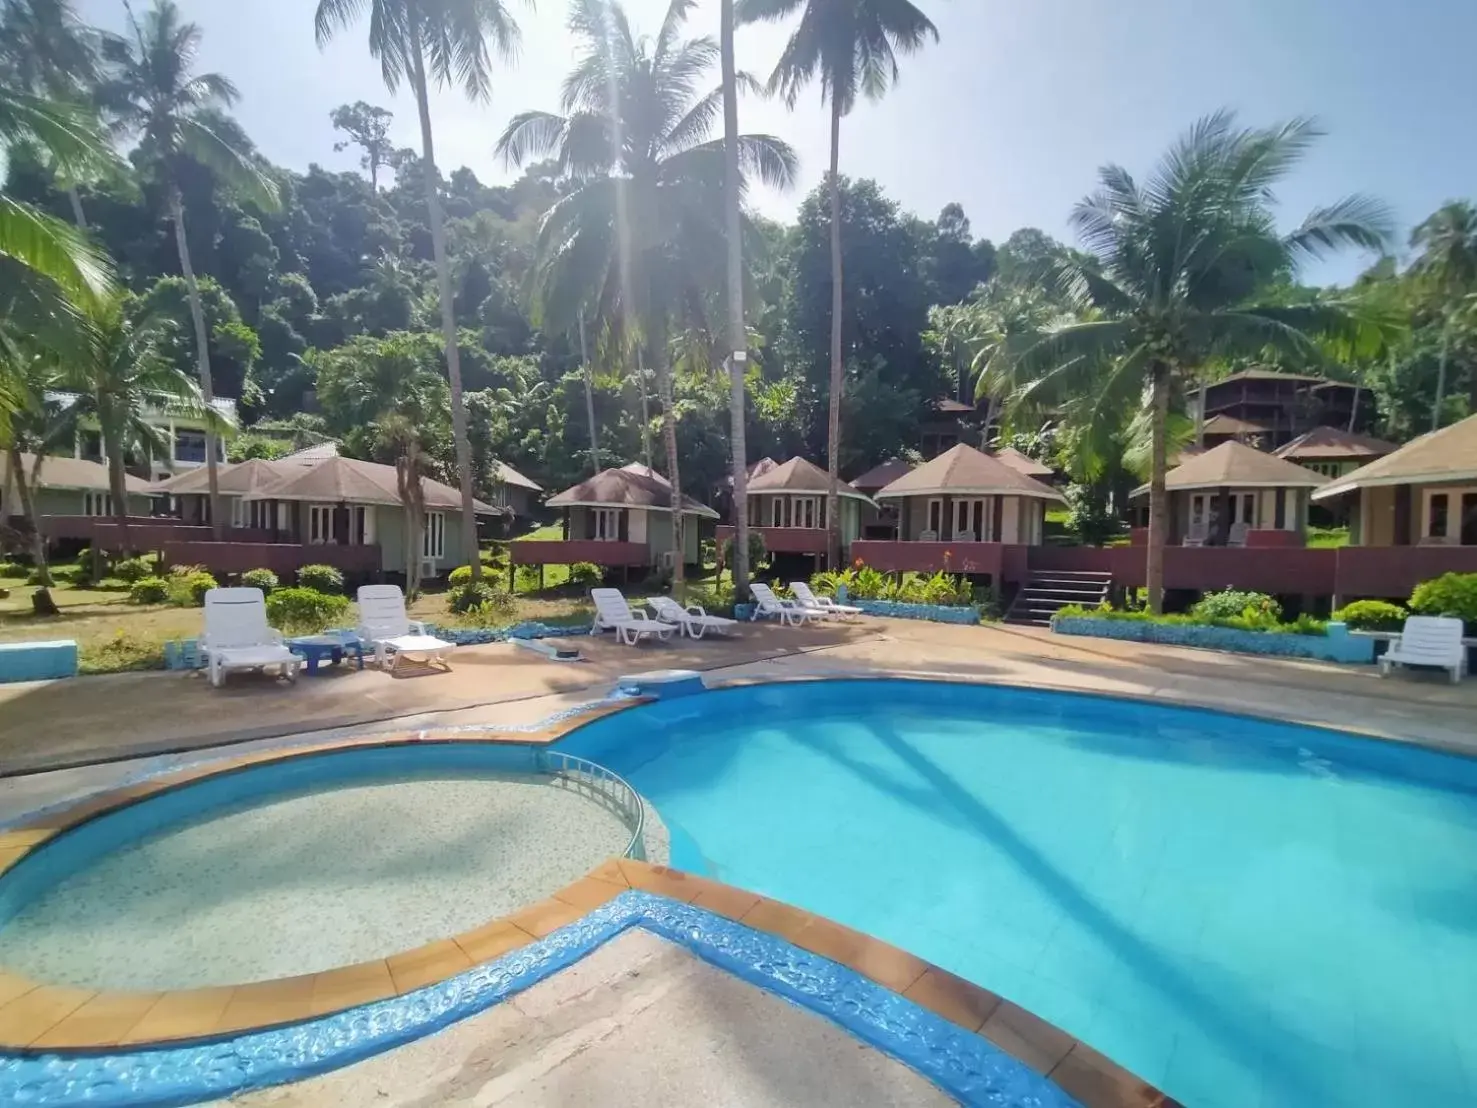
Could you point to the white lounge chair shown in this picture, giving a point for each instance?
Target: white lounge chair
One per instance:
(692, 620)
(384, 624)
(1238, 533)
(612, 612)
(767, 605)
(237, 636)
(1428, 641)
(825, 605)
(1196, 536)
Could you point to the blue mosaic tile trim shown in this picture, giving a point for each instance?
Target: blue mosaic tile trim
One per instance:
(964, 1065)
(1337, 646)
(933, 613)
(481, 636)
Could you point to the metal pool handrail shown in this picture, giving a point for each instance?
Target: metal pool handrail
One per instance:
(604, 783)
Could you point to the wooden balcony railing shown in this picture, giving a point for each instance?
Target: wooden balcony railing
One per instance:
(144, 532)
(784, 540)
(531, 552)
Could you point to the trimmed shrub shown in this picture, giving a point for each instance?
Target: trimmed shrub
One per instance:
(303, 611)
(1451, 594)
(585, 573)
(83, 558)
(758, 552)
(481, 598)
(188, 590)
(263, 579)
(526, 579)
(1372, 615)
(325, 579)
(121, 653)
(1237, 604)
(149, 590)
(461, 575)
(13, 569)
(130, 570)
(1303, 625)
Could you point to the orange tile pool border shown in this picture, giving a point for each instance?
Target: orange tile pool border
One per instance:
(39, 1017)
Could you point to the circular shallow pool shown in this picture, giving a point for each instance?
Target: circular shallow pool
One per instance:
(1241, 912)
(294, 868)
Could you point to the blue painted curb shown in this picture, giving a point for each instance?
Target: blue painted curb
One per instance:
(966, 1066)
(1337, 646)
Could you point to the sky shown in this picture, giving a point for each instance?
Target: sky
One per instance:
(1010, 114)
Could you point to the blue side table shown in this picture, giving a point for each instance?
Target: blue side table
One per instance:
(331, 645)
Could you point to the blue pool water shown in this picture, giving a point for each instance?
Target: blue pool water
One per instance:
(1243, 913)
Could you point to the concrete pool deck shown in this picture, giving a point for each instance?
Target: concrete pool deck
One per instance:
(516, 688)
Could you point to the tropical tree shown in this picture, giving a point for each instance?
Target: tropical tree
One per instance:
(124, 379)
(368, 128)
(448, 41)
(738, 350)
(156, 94)
(1184, 270)
(47, 51)
(851, 46)
(635, 241)
(1447, 267)
(32, 426)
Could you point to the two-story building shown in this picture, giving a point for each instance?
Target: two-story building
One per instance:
(185, 435)
(1277, 407)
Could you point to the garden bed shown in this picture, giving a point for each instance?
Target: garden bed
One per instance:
(1337, 645)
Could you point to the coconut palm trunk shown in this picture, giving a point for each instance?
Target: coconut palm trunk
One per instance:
(41, 601)
(738, 357)
(202, 348)
(1441, 375)
(833, 495)
(669, 436)
(79, 217)
(118, 490)
(645, 408)
(448, 313)
(1158, 495)
(589, 375)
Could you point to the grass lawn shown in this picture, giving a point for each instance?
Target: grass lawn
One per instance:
(1327, 538)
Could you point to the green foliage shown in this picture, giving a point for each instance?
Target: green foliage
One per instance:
(1090, 519)
(149, 590)
(120, 654)
(526, 579)
(1371, 615)
(1327, 538)
(304, 610)
(13, 569)
(758, 553)
(585, 574)
(323, 578)
(188, 590)
(243, 448)
(130, 570)
(1250, 619)
(263, 579)
(1451, 594)
(482, 599)
(83, 560)
(461, 575)
(1237, 604)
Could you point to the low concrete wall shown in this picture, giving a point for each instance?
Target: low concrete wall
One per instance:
(38, 661)
(933, 613)
(1337, 646)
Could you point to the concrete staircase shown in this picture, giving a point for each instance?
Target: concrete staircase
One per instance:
(1050, 590)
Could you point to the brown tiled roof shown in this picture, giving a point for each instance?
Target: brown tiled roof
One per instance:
(880, 476)
(1229, 425)
(241, 479)
(1449, 454)
(963, 470)
(1023, 463)
(1236, 465)
(799, 475)
(1269, 374)
(349, 480)
(1331, 443)
(645, 471)
(60, 472)
(626, 488)
(510, 476)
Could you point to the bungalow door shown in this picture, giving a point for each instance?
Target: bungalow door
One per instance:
(605, 524)
(971, 521)
(807, 512)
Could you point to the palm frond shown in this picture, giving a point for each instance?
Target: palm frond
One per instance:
(55, 250)
(531, 135)
(237, 172)
(336, 15)
(1358, 221)
(68, 134)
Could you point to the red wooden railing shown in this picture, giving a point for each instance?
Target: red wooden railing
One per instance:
(929, 557)
(784, 540)
(144, 532)
(567, 552)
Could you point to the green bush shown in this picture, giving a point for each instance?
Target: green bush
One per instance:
(1451, 594)
(149, 590)
(1371, 615)
(83, 559)
(188, 590)
(939, 588)
(758, 552)
(300, 611)
(121, 653)
(478, 597)
(1250, 619)
(263, 579)
(585, 574)
(1238, 604)
(461, 575)
(324, 579)
(130, 570)
(13, 569)
(527, 579)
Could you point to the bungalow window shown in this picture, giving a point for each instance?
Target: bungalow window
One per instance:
(433, 539)
(97, 504)
(805, 511)
(320, 524)
(1438, 512)
(189, 446)
(971, 521)
(935, 519)
(90, 445)
(605, 524)
(777, 512)
(1243, 509)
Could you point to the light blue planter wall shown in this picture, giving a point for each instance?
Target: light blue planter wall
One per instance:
(934, 613)
(1337, 646)
(38, 661)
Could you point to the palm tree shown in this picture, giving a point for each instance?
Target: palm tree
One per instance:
(738, 352)
(416, 41)
(125, 378)
(47, 51)
(851, 46)
(1184, 270)
(634, 243)
(1448, 265)
(156, 94)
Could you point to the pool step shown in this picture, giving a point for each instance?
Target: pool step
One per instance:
(1048, 591)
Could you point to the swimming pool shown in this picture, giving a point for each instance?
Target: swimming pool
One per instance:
(1240, 912)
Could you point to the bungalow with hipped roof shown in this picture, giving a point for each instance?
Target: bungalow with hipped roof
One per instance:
(1424, 493)
(62, 486)
(1024, 463)
(787, 505)
(960, 512)
(619, 517)
(1333, 451)
(880, 520)
(1234, 495)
